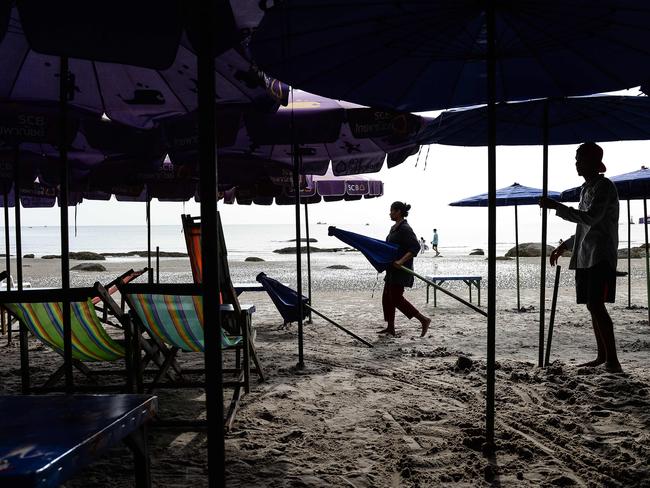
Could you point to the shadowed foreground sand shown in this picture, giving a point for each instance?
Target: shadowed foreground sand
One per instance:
(404, 413)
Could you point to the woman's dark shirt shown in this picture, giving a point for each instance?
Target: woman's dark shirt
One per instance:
(402, 235)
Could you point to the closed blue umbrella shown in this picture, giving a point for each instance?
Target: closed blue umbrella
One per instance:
(382, 255)
(513, 195)
(630, 186)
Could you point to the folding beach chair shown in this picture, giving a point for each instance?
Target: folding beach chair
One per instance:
(40, 312)
(111, 289)
(174, 315)
(241, 316)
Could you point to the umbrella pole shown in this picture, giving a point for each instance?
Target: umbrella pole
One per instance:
(339, 326)
(647, 263)
(210, 250)
(148, 212)
(629, 258)
(308, 261)
(7, 259)
(517, 256)
(296, 189)
(492, 228)
(446, 292)
(22, 330)
(7, 240)
(551, 319)
(542, 264)
(64, 94)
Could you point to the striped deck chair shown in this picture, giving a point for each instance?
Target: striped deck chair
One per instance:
(40, 312)
(174, 314)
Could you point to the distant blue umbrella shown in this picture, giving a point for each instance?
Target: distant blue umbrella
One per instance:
(380, 254)
(512, 195)
(630, 186)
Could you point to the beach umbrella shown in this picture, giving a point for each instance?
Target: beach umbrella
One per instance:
(417, 56)
(630, 186)
(511, 196)
(134, 95)
(571, 120)
(567, 120)
(287, 302)
(353, 138)
(381, 255)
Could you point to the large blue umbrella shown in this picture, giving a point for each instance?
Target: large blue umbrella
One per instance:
(570, 120)
(510, 196)
(630, 186)
(417, 55)
(565, 120)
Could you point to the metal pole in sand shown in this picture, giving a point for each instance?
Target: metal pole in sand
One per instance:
(308, 261)
(647, 263)
(542, 265)
(551, 319)
(517, 256)
(629, 258)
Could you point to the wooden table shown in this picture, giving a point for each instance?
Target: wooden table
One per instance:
(468, 280)
(46, 439)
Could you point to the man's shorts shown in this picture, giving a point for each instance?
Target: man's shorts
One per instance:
(596, 284)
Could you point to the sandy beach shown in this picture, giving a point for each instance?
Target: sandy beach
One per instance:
(410, 411)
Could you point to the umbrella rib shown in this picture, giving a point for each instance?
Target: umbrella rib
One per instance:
(99, 88)
(173, 92)
(20, 66)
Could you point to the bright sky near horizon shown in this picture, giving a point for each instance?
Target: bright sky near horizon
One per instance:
(441, 174)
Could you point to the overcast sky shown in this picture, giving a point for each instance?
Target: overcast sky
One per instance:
(440, 175)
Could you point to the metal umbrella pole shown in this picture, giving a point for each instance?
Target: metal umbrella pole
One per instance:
(148, 218)
(629, 258)
(296, 188)
(647, 263)
(210, 253)
(22, 330)
(65, 91)
(517, 256)
(542, 266)
(492, 229)
(308, 261)
(7, 256)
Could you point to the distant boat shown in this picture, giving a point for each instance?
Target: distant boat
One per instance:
(642, 222)
(321, 223)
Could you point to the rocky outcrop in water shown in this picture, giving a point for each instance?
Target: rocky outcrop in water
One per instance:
(89, 267)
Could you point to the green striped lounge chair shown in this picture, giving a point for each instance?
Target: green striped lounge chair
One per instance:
(41, 312)
(174, 315)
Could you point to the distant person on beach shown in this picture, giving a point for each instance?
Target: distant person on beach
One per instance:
(396, 279)
(434, 242)
(423, 245)
(594, 247)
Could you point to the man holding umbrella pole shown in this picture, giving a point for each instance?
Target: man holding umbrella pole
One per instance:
(594, 247)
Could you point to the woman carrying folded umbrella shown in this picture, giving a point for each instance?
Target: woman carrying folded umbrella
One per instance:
(396, 280)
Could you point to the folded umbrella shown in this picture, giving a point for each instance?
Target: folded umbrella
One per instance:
(288, 304)
(382, 255)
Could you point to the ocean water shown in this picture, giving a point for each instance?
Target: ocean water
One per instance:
(261, 240)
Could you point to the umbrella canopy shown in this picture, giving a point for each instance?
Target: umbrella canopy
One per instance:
(352, 138)
(132, 95)
(569, 120)
(417, 56)
(514, 194)
(630, 186)
(380, 254)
